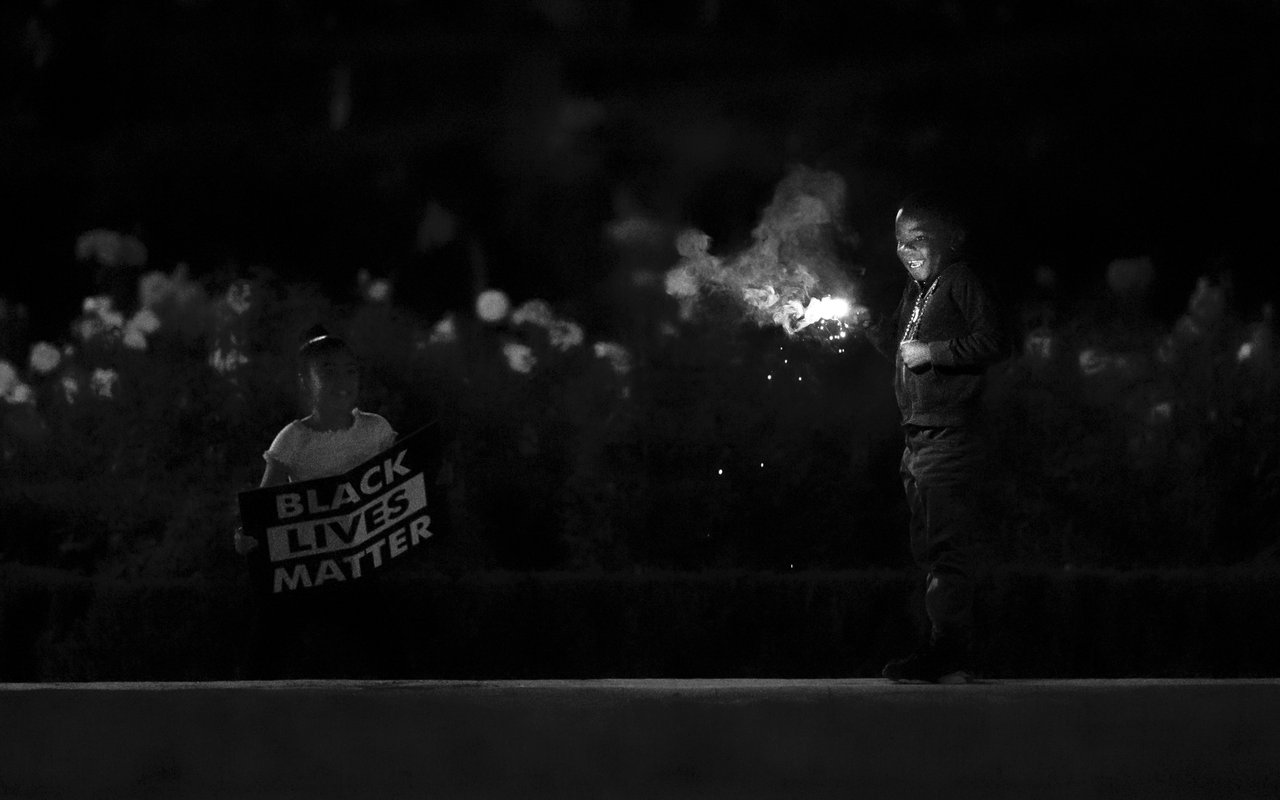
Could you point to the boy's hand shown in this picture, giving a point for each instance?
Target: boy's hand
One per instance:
(245, 544)
(914, 354)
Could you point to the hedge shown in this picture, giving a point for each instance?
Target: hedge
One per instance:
(1030, 623)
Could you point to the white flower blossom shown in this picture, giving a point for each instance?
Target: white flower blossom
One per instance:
(154, 288)
(519, 356)
(70, 388)
(88, 327)
(1092, 362)
(564, 335)
(619, 359)
(1160, 412)
(534, 312)
(444, 332)
(227, 361)
(45, 358)
(8, 377)
(146, 321)
(99, 304)
(239, 296)
(492, 305)
(20, 393)
(134, 339)
(104, 381)
(378, 291)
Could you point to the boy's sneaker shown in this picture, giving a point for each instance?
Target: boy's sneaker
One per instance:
(941, 660)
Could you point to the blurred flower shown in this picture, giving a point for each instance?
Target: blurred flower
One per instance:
(227, 361)
(111, 249)
(44, 358)
(519, 356)
(88, 327)
(8, 377)
(134, 339)
(19, 393)
(1160, 412)
(1039, 344)
(619, 359)
(492, 305)
(1245, 352)
(70, 388)
(379, 291)
(154, 288)
(1092, 362)
(239, 296)
(104, 382)
(534, 312)
(564, 334)
(96, 305)
(444, 332)
(437, 228)
(145, 321)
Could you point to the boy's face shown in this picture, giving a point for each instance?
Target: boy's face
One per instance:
(335, 382)
(920, 248)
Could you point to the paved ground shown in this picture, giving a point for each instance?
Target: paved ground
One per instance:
(642, 738)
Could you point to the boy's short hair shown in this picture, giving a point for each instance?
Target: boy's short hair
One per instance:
(939, 212)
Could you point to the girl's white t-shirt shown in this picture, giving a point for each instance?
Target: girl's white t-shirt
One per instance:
(318, 454)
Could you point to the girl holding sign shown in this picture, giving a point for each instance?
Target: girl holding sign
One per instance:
(336, 435)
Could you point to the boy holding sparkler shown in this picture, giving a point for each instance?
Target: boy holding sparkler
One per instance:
(943, 336)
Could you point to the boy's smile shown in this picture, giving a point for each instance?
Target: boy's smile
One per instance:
(919, 249)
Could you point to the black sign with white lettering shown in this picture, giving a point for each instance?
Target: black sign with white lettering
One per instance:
(335, 530)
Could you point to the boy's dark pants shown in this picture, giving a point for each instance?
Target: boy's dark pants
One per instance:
(942, 474)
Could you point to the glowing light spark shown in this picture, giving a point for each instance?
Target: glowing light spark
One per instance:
(719, 472)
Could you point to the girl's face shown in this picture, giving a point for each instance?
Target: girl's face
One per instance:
(920, 249)
(334, 382)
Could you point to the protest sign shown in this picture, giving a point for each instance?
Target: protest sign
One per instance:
(344, 528)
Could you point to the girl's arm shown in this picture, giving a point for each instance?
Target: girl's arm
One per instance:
(275, 474)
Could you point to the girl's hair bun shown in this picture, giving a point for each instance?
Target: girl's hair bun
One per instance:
(317, 342)
(314, 332)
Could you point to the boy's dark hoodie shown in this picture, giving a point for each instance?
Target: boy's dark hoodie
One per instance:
(963, 330)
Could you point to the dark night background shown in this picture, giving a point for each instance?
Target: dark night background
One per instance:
(1118, 161)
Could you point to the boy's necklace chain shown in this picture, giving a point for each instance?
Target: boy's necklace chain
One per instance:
(914, 323)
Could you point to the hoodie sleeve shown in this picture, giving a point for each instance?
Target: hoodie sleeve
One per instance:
(985, 343)
(883, 332)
